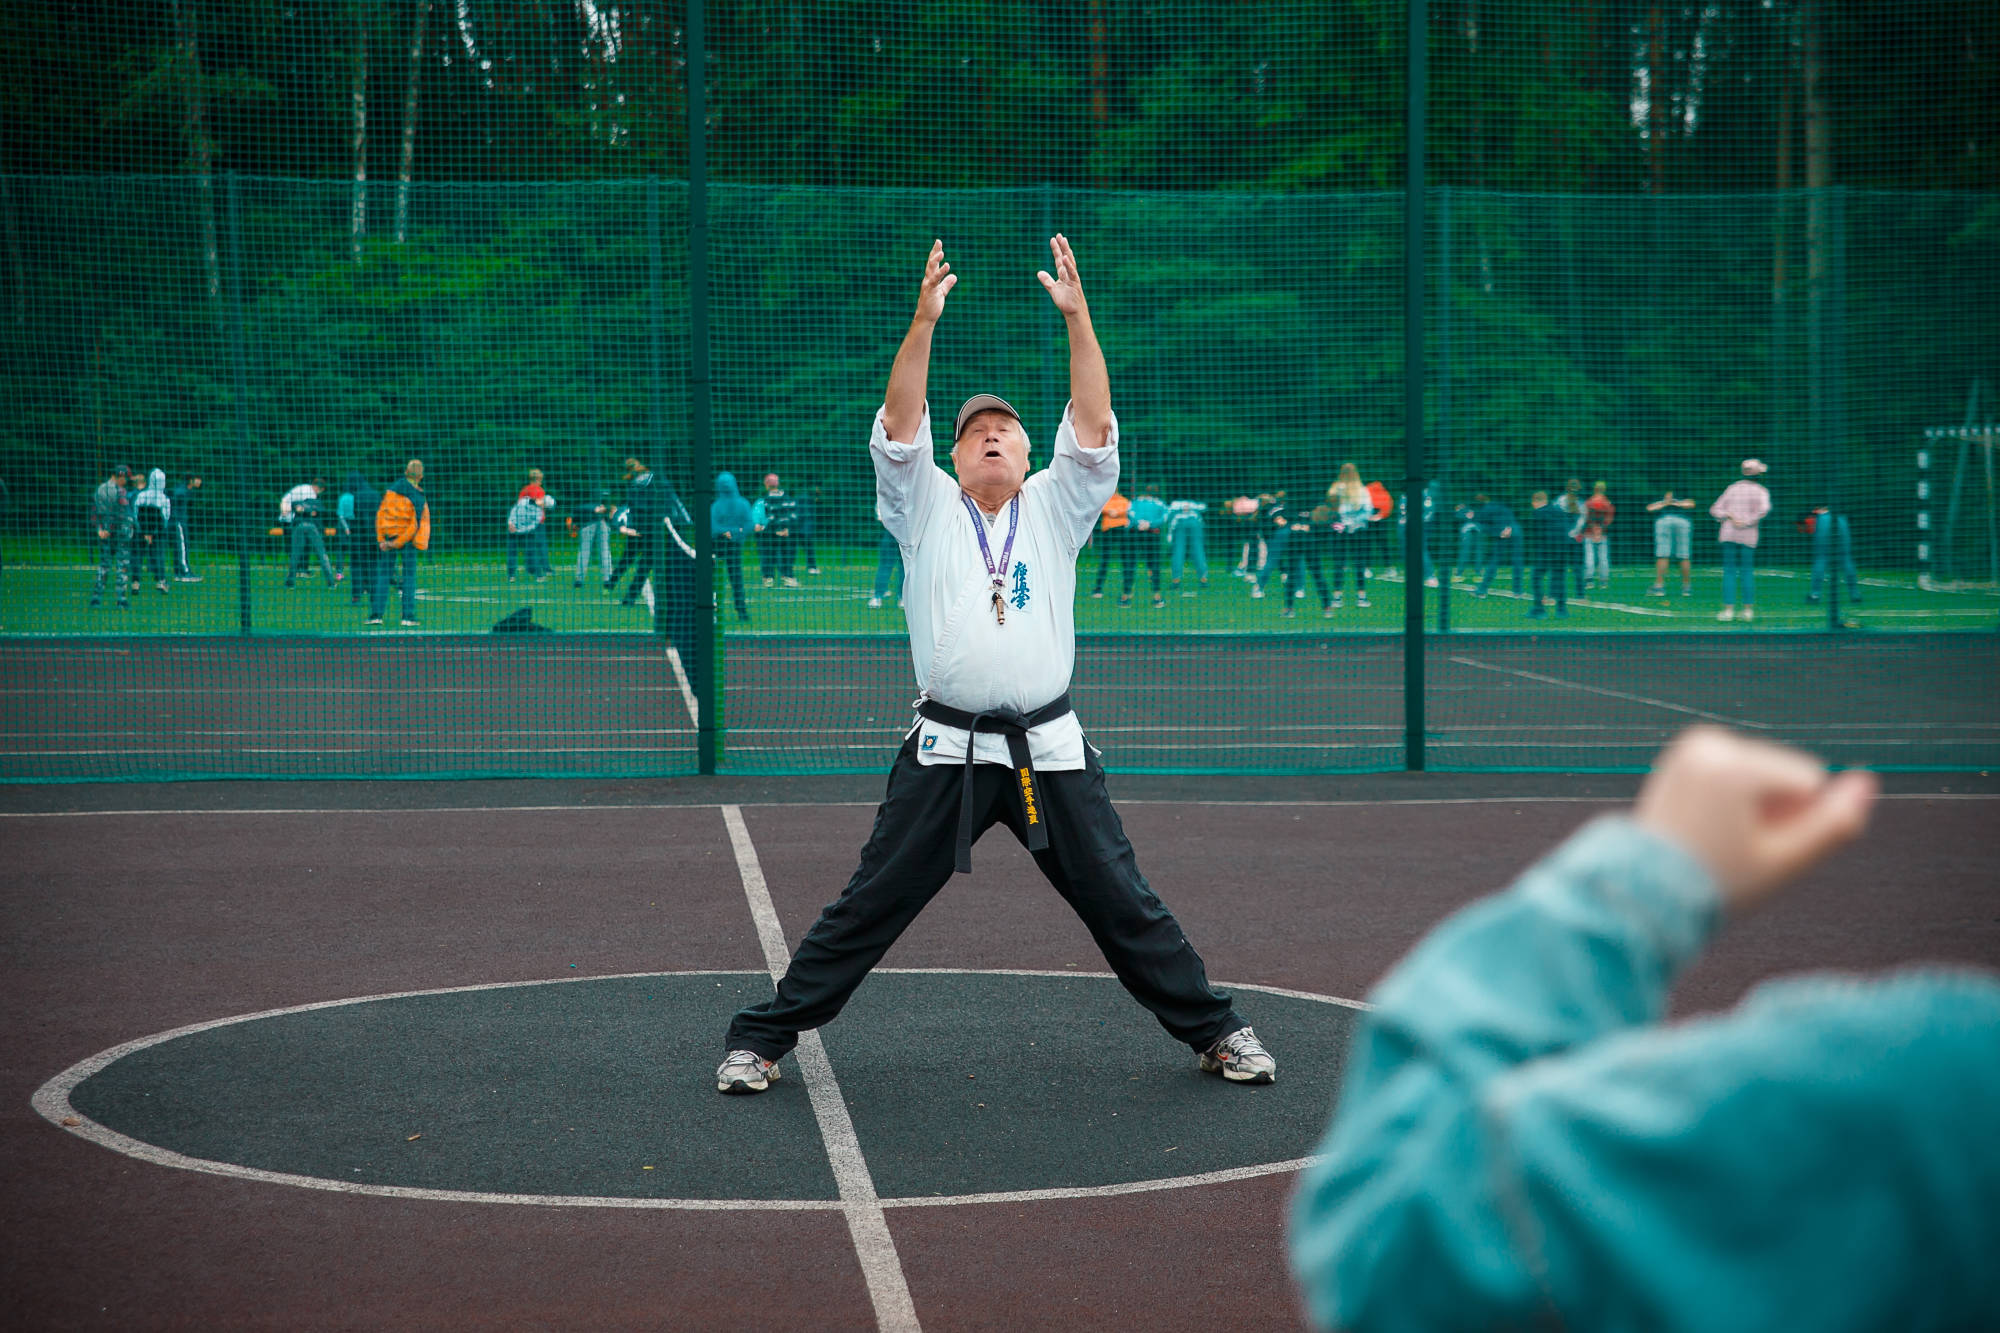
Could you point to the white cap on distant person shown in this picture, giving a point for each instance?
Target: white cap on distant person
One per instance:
(981, 402)
(1754, 467)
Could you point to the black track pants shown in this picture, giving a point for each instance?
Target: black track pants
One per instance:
(909, 858)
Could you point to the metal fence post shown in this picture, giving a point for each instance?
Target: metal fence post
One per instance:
(245, 525)
(708, 690)
(1417, 77)
(1444, 402)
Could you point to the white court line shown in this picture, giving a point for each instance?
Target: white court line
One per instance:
(1846, 608)
(1597, 604)
(51, 1102)
(1632, 731)
(888, 1289)
(374, 691)
(687, 692)
(1578, 600)
(1613, 694)
(296, 733)
(319, 812)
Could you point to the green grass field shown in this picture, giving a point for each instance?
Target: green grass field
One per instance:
(467, 594)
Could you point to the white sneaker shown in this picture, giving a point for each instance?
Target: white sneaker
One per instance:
(1727, 613)
(1256, 591)
(1749, 613)
(1240, 1058)
(875, 603)
(745, 1071)
(1361, 599)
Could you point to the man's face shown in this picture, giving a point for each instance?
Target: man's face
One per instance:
(194, 483)
(993, 451)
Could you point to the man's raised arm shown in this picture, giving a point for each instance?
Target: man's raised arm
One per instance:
(1089, 380)
(903, 404)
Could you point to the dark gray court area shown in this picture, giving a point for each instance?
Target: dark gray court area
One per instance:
(568, 954)
(957, 1082)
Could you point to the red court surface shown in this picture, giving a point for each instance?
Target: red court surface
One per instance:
(130, 915)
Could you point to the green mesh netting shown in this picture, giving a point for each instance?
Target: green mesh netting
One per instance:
(267, 246)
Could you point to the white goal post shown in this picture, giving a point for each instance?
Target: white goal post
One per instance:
(1960, 546)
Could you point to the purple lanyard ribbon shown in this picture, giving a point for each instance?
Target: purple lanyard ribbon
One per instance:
(997, 573)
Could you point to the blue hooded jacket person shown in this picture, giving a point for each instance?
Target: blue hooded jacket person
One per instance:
(729, 524)
(729, 515)
(359, 503)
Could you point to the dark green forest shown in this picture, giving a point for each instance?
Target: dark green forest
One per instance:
(1661, 236)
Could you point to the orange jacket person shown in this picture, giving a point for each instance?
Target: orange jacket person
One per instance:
(1114, 535)
(402, 528)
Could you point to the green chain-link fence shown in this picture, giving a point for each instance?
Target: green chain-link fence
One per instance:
(1623, 289)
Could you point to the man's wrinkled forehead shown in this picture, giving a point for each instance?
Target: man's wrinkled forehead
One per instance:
(989, 417)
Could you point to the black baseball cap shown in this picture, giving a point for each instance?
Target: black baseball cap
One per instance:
(981, 402)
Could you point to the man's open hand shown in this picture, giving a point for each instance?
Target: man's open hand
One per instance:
(1065, 288)
(1756, 814)
(938, 282)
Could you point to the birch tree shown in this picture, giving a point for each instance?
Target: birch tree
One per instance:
(201, 148)
(406, 161)
(358, 220)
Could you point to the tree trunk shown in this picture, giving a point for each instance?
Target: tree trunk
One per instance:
(1468, 20)
(360, 214)
(1819, 224)
(1782, 180)
(201, 149)
(1656, 97)
(1781, 220)
(1099, 70)
(1819, 135)
(1468, 23)
(407, 162)
(16, 264)
(1588, 69)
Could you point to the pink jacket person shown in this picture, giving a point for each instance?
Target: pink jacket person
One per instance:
(1740, 508)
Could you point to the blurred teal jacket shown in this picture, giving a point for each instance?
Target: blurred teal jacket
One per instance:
(1520, 1144)
(1149, 512)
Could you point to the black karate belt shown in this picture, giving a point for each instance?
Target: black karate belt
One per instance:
(1014, 725)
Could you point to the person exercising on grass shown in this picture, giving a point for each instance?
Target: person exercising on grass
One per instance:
(989, 593)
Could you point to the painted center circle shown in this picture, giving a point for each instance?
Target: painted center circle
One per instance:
(958, 1083)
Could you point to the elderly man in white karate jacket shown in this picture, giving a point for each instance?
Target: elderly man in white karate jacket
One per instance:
(989, 591)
